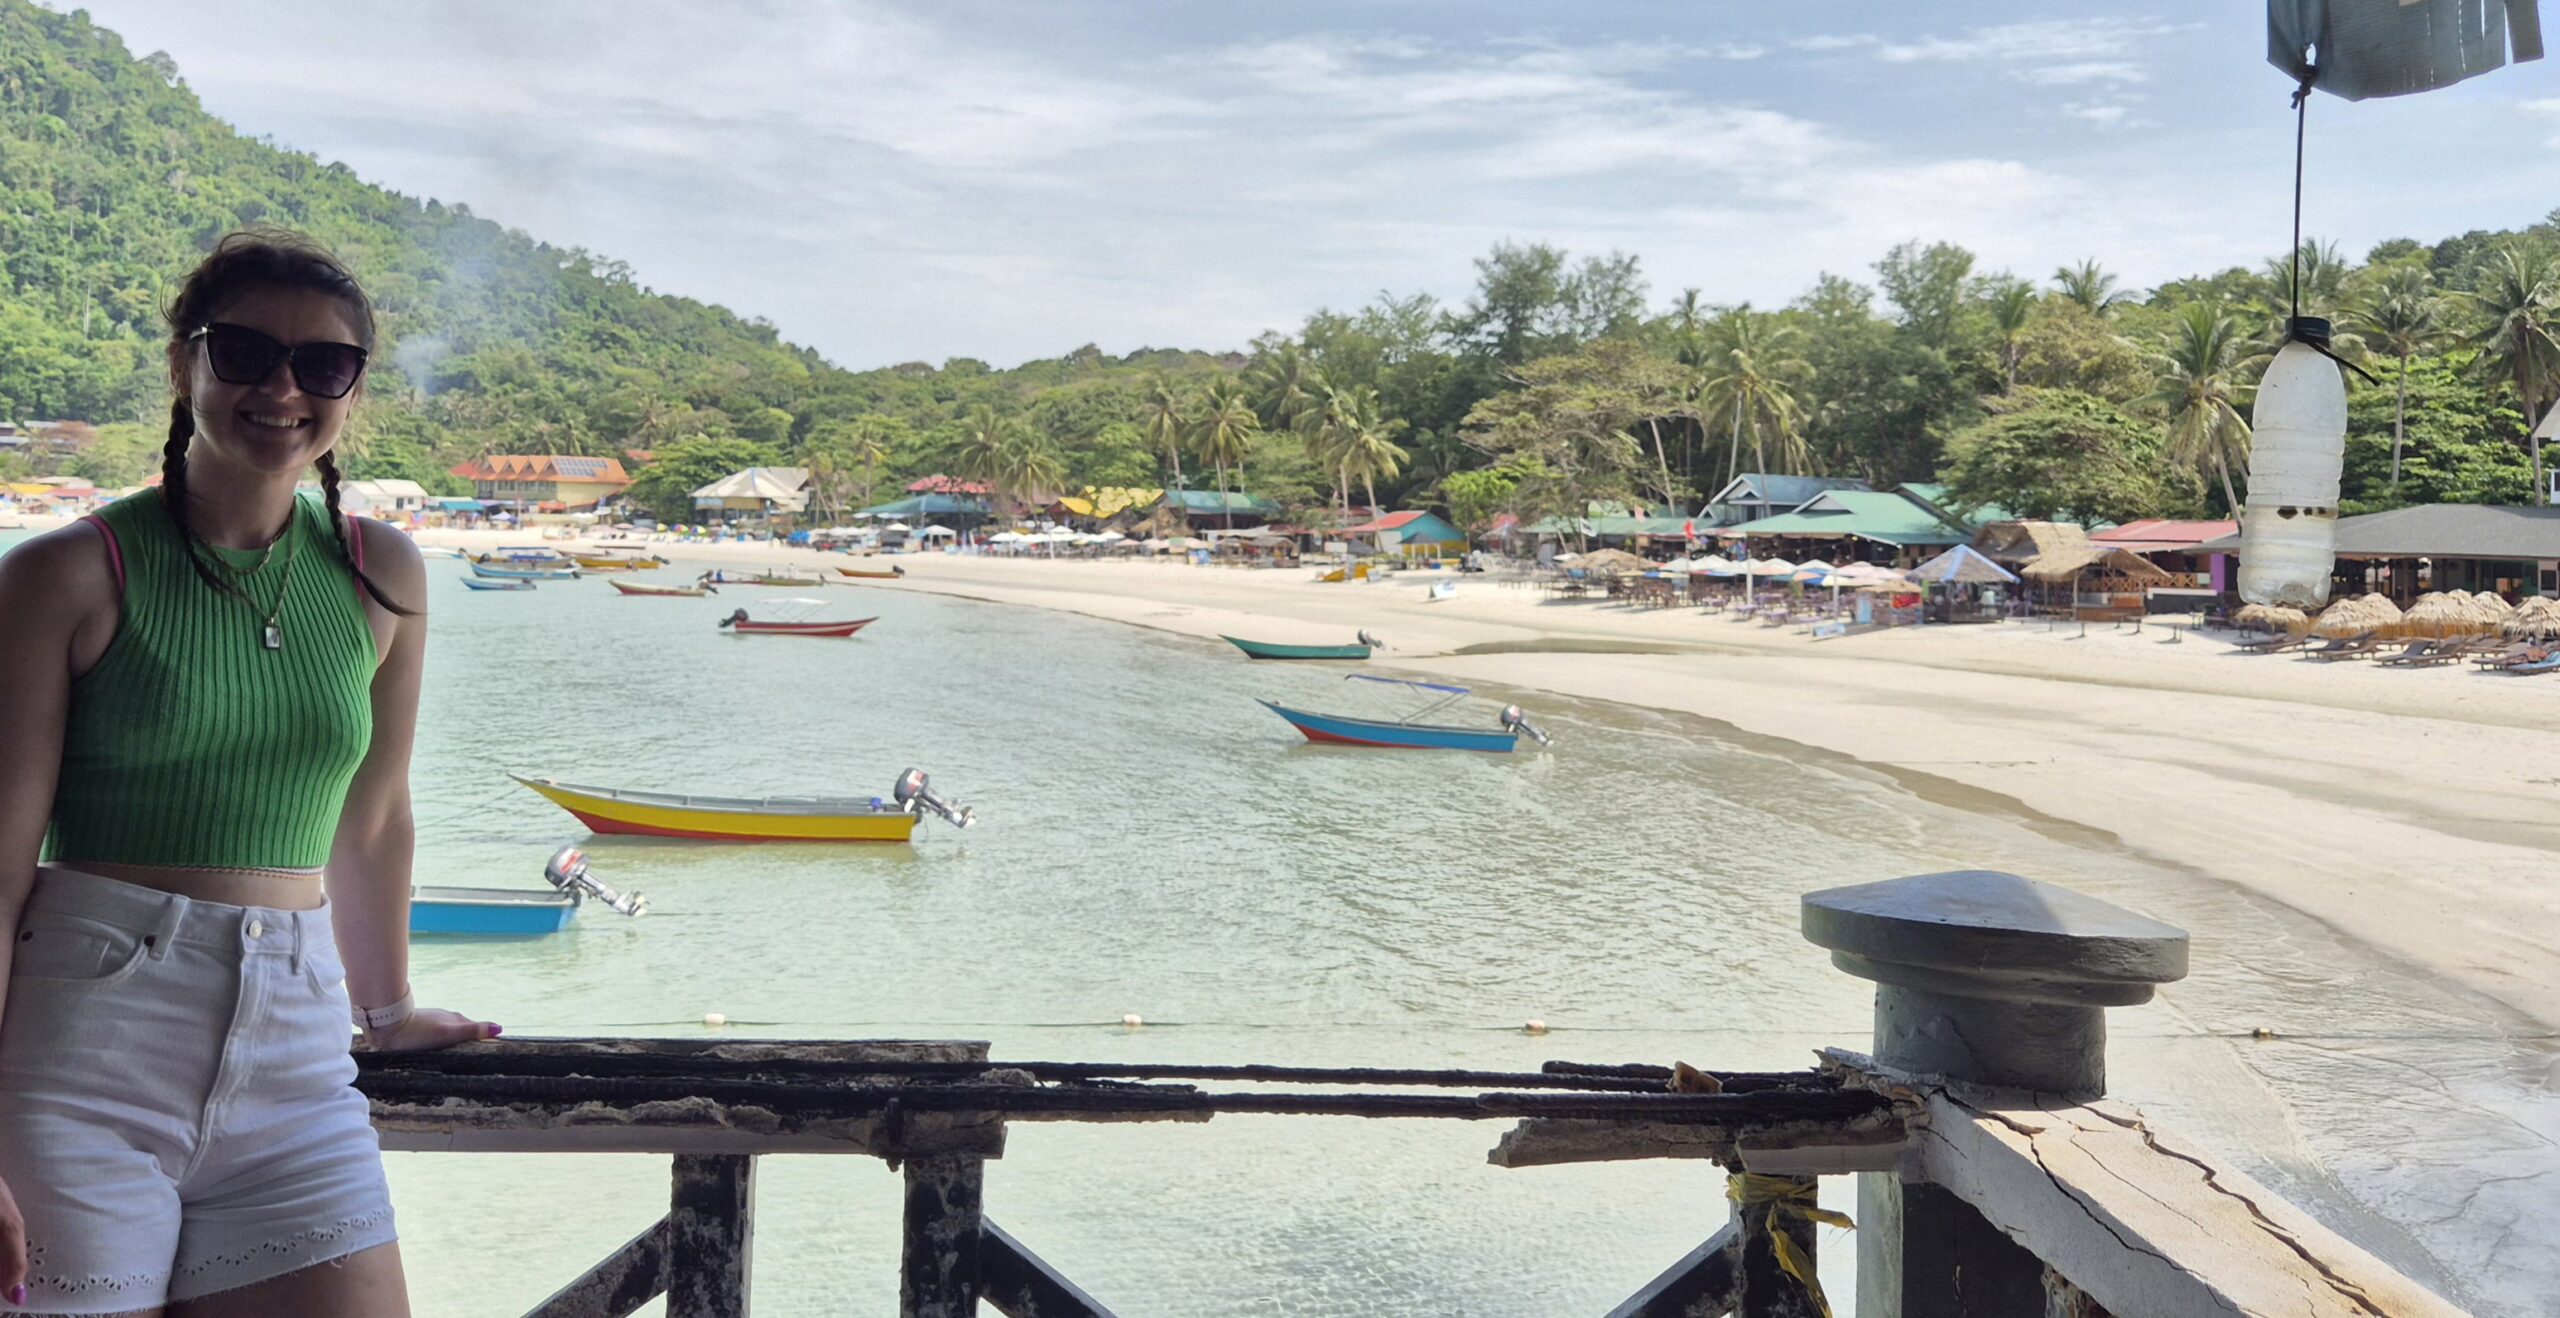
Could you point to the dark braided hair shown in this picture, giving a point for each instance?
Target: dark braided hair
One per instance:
(244, 260)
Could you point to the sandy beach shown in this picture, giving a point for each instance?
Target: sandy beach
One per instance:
(2416, 811)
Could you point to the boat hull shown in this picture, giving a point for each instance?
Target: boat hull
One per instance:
(1337, 730)
(490, 912)
(1268, 650)
(478, 584)
(863, 574)
(828, 630)
(524, 573)
(716, 819)
(646, 590)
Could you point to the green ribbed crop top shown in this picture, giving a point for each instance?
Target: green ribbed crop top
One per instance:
(191, 743)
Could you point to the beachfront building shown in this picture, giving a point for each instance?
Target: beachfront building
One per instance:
(755, 494)
(1754, 495)
(960, 511)
(1223, 509)
(547, 482)
(1408, 534)
(1894, 527)
(2407, 552)
(383, 498)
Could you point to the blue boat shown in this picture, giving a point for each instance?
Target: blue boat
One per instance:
(477, 583)
(1405, 733)
(524, 573)
(518, 912)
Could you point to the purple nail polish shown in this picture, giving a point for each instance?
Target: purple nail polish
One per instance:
(496, 1030)
(18, 1293)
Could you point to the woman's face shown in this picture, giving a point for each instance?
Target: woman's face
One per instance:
(270, 427)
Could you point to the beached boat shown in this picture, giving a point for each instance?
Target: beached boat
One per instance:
(1275, 650)
(483, 583)
(796, 623)
(890, 573)
(617, 562)
(772, 578)
(655, 591)
(1408, 733)
(518, 912)
(498, 573)
(753, 819)
(524, 556)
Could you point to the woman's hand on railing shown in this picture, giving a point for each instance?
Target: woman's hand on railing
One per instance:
(430, 1028)
(13, 1250)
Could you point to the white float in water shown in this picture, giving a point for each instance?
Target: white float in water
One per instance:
(1533, 1027)
(714, 1019)
(1133, 1020)
(2289, 532)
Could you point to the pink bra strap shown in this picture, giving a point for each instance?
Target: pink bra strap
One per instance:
(115, 552)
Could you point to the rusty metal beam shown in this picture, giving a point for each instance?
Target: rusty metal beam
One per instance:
(710, 1236)
(938, 1257)
(1021, 1284)
(627, 1278)
(1705, 1283)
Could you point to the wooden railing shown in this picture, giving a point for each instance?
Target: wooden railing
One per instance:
(1995, 1177)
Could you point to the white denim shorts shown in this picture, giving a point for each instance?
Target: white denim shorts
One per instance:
(178, 1114)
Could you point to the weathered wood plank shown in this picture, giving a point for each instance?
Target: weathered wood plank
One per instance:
(627, 1278)
(711, 1236)
(1772, 1240)
(1867, 1140)
(1705, 1283)
(2146, 1223)
(938, 1272)
(1021, 1284)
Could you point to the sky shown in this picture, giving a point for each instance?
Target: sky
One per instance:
(1010, 179)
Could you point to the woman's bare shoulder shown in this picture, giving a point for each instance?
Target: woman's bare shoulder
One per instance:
(62, 577)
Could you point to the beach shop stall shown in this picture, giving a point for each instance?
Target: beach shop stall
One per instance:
(2089, 582)
(1964, 586)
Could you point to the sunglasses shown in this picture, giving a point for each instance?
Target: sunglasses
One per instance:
(241, 355)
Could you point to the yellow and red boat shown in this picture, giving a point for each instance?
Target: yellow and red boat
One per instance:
(890, 573)
(752, 819)
(617, 562)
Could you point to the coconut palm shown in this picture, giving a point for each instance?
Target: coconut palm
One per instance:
(2201, 361)
(1687, 318)
(1367, 449)
(1160, 415)
(1223, 433)
(2089, 285)
(1751, 375)
(2518, 298)
(2399, 317)
(1322, 429)
(987, 438)
(2012, 303)
(2323, 275)
(1285, 386)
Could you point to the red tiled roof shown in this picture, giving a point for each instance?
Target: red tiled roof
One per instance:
(2155, 535)
(543, 467)
(1390, 522)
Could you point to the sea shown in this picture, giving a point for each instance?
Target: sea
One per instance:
(1152, 843)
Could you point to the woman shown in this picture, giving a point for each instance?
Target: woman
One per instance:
(208, 693)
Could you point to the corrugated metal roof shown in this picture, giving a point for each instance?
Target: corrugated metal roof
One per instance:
(1891, 519)
(2153, 535)
(1213, 501)
(2442, 530)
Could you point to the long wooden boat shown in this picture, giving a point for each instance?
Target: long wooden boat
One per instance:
(1340, 730)
(1275, 650)
(480, 569)
(729, 819)
(654, 591)
(525, 556)
(480, 583)
(617, 562)
(762, 579)
(827, 630)
(873, 574)
(490, 912)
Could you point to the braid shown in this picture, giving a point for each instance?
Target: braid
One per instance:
(346, 552)
(173, 488)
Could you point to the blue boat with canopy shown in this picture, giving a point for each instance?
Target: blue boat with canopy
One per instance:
(1409, 732)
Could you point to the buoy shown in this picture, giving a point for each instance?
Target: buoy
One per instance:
(1534, 1027)
(1132, 1021)
(2262, 1032)
(714, 1019)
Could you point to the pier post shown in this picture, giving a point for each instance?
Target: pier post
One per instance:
(939, 1253)
(1777, 1264)
(1991, 980)
(710, 1235)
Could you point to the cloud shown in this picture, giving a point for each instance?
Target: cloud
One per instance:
(2058, 39)
(2087, 71)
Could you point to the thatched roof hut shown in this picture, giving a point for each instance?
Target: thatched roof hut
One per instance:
(1609, 563)
(2358, 617)
(2446, 614)
(2071, 562)
(2537, 617)
(2274, 618)
(2013, 543)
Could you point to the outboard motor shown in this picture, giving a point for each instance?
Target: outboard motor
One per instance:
(1515, 721)
(734, 619)
(567, 871)
(1372, 642)
(913, 793)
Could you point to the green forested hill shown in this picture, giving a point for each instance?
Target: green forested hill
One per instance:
(1559, 382)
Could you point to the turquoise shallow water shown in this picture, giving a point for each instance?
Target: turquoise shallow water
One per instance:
(1154, 842)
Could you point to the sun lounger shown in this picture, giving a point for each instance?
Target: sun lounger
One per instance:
(2507, 657)
(2361, 647)
(2446, 652)
(2271, 645)
(2419, 652)
(2533, 667)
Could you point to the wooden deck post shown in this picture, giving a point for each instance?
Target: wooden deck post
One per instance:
(939, 1254)
(1777, 1273)
(710, 1235)
(1996, 981)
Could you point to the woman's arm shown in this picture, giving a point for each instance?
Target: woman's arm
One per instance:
(370, 860)
(59, 596)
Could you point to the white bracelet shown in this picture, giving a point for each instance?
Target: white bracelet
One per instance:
(382, 1020)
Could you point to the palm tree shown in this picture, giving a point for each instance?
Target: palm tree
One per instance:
(2199, 368)
(1285, 386)
(1751, 373)
(1688, 317)
(2518, 295)
(2324, 278)
(987, 443)
(1160, 414)
(1224, 433)
(1368, 449)
(1322, 430)
(1031, 466)
(2012, 303)
(2090, 286)
(2399, 317)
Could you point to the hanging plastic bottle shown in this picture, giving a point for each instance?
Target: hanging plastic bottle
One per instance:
(2289, 533)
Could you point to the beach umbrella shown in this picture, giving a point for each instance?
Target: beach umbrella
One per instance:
(2274, 617)
(2441, 615)
(2536, 617)
(897, 526)
(1110, 537)
(1677, 565)
(1772, 567)
(1962, 565)
(1812, 569)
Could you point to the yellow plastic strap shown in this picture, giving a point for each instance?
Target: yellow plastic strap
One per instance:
(1789, 1200)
